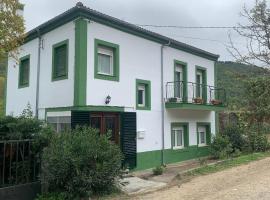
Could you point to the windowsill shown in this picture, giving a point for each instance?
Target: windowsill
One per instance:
(59, 78)
(107, 77)
(23, 86)
(179, 148)
(104, 74)
(202, 145)
(142, 108)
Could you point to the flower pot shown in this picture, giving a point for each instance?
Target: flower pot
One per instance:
(173, 100)
(216, 102)
(198, 100)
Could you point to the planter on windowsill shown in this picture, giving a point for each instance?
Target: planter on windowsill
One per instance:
(216, 102)
(198, 100)
(172, 100)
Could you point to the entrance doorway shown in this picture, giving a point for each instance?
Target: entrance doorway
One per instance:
(106, 124)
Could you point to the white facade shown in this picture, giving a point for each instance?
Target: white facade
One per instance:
(139, 59)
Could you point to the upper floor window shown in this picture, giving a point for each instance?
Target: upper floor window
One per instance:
(106, 60)
(143, 94)
(24, 71)
(60, 61)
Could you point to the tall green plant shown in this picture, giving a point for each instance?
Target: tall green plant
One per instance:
(80, 163)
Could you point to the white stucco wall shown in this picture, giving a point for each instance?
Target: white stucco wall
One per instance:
(18, 98)
(139, 59)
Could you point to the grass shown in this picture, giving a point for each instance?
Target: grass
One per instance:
(244, 159)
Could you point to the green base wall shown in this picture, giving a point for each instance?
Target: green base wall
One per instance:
(150, 159)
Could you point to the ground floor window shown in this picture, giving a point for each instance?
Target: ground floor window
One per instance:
(180, 137)
(60, 123)
(203, 135)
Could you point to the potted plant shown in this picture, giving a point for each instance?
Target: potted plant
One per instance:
(216, 102)
(173, 99)
(198, 100)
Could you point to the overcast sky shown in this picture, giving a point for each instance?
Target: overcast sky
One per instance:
(158, 12)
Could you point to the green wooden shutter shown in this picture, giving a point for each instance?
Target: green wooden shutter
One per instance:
(208, 135)
(60, 60)
(172, 137)
(186, 136)
(80, 118)
(128, 139)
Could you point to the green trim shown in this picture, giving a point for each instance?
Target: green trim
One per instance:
(86, 108)
(19, 77)
(184, 65)
(190, 106)
(5, 87)
(80, 69)
(116, 70)
(147, 94)
(54, 77)
(79, 11)
(208, 132)
(185, 125)
(204, 81)
(151, 159)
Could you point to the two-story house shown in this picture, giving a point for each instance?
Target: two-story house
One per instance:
(154, 96)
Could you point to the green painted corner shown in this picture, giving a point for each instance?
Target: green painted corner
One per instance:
(150, 159)
(147, 94)
(116, 62)
(80, 79)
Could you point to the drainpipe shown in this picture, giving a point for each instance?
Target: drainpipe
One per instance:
(38, 73)
(162, 101)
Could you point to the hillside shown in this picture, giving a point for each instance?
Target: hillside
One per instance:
(232, 77)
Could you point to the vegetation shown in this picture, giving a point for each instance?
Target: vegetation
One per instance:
(233, 78)
(244, 159)
(11, 27)
(158, 170)
(80, 163)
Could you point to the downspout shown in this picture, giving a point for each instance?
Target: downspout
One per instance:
(162, 102)
(38, 74)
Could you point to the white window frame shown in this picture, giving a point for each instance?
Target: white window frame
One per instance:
(143, 88)
(107, 52)
(202, 129)
(174, 146)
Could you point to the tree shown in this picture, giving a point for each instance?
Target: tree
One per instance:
(256, 33)
(258, 98)
(11, 28)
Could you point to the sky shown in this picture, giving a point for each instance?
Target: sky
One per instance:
(160, 12)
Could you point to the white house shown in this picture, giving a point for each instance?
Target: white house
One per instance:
(154, 95)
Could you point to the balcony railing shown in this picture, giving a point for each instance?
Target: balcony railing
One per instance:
(194, 93)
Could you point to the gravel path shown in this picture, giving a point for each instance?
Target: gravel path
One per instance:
(247, 182)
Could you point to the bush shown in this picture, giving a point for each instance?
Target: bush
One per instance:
(80, 163)
(51, 196)
(220, 147)
(235, 136)
(158, 170)
(257, 142)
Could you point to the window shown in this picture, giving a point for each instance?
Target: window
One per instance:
(143, 94)
(106, 60)
(24, 70)
(180, 80)
(179, 136)
(203, 135)
(201, 82)
(60, 124)
(60, 61)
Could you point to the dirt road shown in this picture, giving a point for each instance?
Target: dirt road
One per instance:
(246, 182)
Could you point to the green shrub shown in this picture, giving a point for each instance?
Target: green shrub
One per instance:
(158, 170)
(257, 142)
(220, 147)
(80, 163)
(235, 136)
(51, 196)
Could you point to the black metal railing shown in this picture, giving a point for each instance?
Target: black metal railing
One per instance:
(19, 163)
(189, 92)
